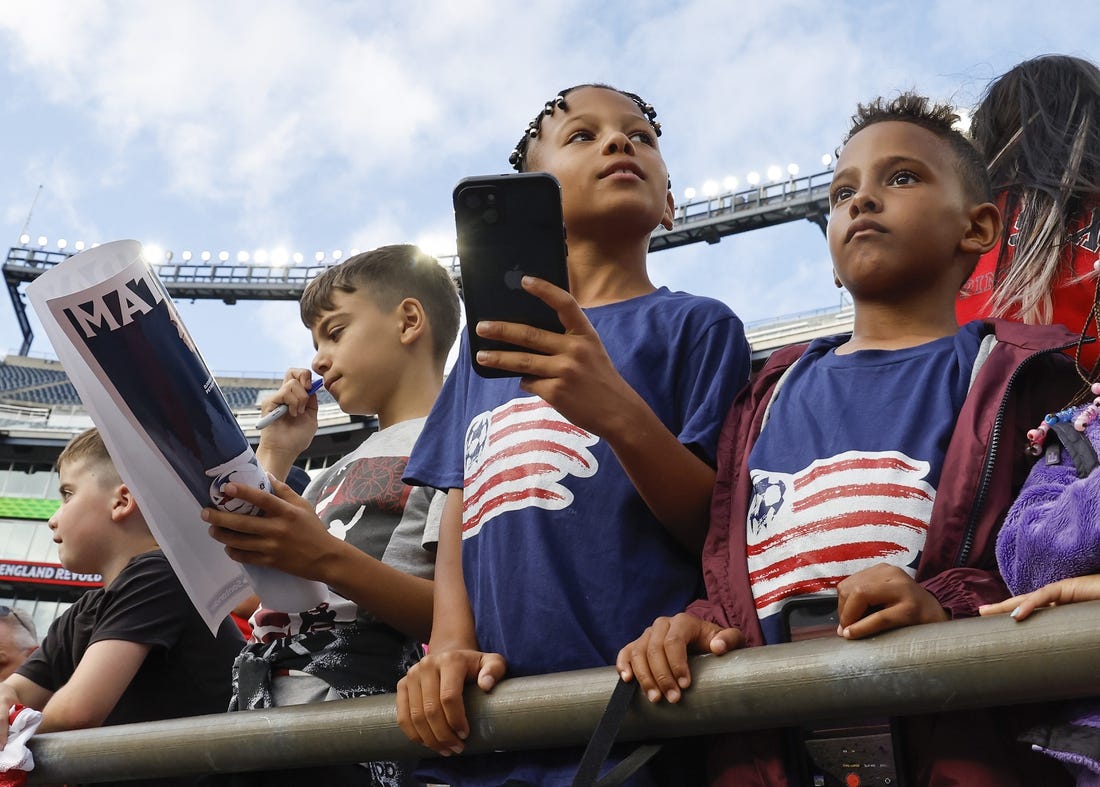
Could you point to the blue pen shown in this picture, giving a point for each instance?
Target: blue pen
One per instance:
(282, 409)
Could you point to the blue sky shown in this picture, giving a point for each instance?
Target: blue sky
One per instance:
(240, 125)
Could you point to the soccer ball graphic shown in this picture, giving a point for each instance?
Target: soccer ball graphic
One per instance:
(247, 474)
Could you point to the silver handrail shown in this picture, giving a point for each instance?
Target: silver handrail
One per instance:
(982, 662)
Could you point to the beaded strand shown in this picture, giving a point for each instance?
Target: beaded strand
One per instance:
(1080, 419)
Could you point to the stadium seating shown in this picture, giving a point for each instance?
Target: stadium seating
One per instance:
(30, 383)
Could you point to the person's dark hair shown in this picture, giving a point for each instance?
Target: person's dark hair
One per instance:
(940, 119)
(388, 275)
(518, 158)
(1038, 128)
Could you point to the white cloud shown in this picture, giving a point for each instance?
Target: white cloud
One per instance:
(281, 330)
(332, 125)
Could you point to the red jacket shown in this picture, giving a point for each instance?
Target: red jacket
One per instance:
(984, 467)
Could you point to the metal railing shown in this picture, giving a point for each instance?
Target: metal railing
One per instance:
(984, 662)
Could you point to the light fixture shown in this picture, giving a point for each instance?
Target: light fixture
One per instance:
(753, 178)
(153, 253)
(205, 256)
(730, 183)
(710, 188)
(319, 256)
(62, 243)
(79, 245)
(242, 256)
(24, 239)
(792, 169)
(279, 257)
(337, 254)
(774, 173)
(826, 160)
(689, 193)
(223, 256)
(186, 256)
(42, 241)
(298, 258)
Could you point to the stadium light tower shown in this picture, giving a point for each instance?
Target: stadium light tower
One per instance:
(279, 275)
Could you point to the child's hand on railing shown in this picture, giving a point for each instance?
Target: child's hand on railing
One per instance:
(1066, 591)
(659, 658)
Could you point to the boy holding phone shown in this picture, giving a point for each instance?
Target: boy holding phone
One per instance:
(588, 470)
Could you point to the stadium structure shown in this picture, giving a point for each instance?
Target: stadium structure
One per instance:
(40, 409)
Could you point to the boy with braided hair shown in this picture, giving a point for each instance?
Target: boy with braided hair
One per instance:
(592, 469)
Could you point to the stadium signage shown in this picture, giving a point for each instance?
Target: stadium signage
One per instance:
(46, 574)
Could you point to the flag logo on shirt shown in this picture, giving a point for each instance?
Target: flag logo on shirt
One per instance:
(811, 529)
(516, 455)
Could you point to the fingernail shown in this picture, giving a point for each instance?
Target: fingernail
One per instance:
(230, 489)
(482, 356)
(684, 683)
(464, 734)
(624, 675)
(839, 630)
(673, 695)
(528, 281)
(846, 633)
(653, 695)
(205, 514)
(457, 748)
(1014, 613)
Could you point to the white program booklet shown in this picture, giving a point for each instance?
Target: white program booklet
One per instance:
(165, 422)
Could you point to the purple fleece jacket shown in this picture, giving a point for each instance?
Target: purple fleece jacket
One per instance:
(1052, 532)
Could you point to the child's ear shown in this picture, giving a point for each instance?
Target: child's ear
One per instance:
(670, 208)
(983, 231)
(414, 321)
(123, 503)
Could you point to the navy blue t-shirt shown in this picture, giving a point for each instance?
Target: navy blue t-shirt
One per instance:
(845, 470)
(563, 561)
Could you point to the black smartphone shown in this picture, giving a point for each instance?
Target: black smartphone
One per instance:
(509, 226)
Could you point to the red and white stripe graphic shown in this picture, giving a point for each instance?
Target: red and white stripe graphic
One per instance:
(515, 456)
(810, 530)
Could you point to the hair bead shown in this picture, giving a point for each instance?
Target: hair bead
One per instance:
(518, 156)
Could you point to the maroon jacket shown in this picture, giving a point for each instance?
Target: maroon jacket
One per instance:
(984, 468)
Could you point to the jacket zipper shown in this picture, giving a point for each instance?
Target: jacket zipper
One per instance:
(991, 457)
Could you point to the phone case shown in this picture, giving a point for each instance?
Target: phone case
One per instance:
(508, 226)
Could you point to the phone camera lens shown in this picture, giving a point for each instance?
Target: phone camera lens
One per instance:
(490, 216)
(472, 200)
